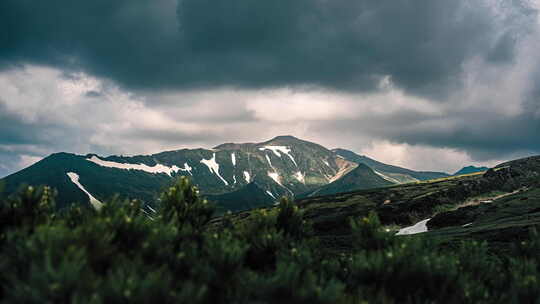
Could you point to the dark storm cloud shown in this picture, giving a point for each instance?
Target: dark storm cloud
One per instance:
(188, 73)
(482, 135)
(341, 44)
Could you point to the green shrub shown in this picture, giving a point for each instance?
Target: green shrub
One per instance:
(122, 254)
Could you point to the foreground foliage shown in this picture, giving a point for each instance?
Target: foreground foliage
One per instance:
(179, 254)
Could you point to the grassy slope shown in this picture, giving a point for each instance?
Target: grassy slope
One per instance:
(500, 221)
(403, 205)
(362, 177)
(249, 197)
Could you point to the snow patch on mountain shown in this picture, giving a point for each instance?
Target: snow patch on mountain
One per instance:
(233, 159)
(280, 149)
(386, 177)
(213, 166)
(186, 168)
(269, 162)
(275, 177)
(247, 177)
(414, 229)
(300, 177)
(74, 177)
(270, 193)
(234, 178)
(158, 168)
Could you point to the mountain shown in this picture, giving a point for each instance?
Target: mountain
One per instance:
(471, 169)
(284, 165)
(361, 177)
(236, 176)
(391, 173)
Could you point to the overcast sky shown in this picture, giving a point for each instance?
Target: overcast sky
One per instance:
(426, 84)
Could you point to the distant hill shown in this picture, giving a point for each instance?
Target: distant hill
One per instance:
(471, 169)
(392, 173)
(360, 178)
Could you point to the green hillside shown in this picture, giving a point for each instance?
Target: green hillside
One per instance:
(471, 169)
(362, 177)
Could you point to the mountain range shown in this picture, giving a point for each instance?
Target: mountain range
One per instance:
(235, 176)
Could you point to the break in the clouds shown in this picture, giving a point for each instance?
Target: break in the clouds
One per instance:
(429, 84)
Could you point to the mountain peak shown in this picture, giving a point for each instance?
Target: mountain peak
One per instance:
(281, 139)
(285, 140)
(284, 137)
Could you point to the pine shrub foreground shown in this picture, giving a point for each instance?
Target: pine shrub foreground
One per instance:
(122, 254)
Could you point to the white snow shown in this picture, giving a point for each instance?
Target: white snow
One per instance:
(269, 162)
(326, 163)
(270, 193)
(234, 178)
(275, 177)
(152, 209)
(186, 168)
(74, 177)
(416, 228)
(467, 225)
(386, 177)
(278, 150)
(158, 168)
(247, 177)
(214, 167)
(233, 159)
(300, 177)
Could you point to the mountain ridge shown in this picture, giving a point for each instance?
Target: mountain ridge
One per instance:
(397, 171)
(281, 166)
(470, 169)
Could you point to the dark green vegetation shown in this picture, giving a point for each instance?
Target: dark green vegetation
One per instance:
(404, 205)
(249, 197)
(330, 249)
(122, 254)
(102, 182)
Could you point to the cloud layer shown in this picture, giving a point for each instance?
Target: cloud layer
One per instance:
(398, 80)
(340, 44)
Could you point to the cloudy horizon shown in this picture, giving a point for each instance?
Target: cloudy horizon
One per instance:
(428, 85)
